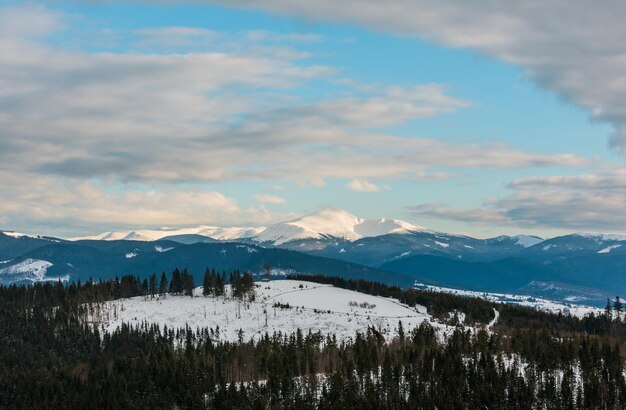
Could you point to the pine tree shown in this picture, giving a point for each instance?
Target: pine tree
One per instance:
(207, 285)
(163, 285)
(189, 283)
(618, 306)
(152, 285)
(176, 284)
(608, 310)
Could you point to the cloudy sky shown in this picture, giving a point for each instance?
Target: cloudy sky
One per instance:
(480, 118)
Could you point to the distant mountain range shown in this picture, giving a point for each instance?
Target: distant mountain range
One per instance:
(329, 222)
(577, 267)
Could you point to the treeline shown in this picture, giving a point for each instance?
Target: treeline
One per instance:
(76, 294)
(477, 310)
(50, 358)
(439, 305)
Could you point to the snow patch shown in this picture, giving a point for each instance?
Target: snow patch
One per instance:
(442, 244)
(527, 241)
(131, 255)
(161, 249)
(608, 249)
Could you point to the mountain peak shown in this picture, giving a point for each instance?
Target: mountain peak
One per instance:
(333, 222)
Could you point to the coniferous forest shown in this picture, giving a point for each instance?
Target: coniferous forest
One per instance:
(52, 358)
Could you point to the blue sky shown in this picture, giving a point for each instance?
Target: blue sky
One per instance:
(149, 115)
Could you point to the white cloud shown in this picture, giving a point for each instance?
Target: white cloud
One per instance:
(270, 199)
(362, 185)
(91, 138)
(574, 48)
(587, 202)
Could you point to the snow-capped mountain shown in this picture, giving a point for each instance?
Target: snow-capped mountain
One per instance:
(213, 232)
(329, 222)
(336, 223)
(579, 244)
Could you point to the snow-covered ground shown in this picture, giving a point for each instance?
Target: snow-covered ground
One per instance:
(522, 300)
(29, 270)
(313, 306)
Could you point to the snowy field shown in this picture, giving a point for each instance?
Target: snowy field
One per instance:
(313, 306)
(522, 300)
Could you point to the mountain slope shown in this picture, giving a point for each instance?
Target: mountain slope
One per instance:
(13, 245)
(105, 259)
(213, 232)
(332, 223)
(585, 279)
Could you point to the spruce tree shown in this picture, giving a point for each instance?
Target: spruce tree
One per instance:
(163, 285)
(618, 306)
(152, 285)
(207, 285)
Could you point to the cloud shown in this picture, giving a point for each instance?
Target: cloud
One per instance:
(362, 185)
(66, 208)
(270, 199)
(574, 48)
(424, 176)
(153, 118)
(587, 202)
(484, 215)
(95, 138)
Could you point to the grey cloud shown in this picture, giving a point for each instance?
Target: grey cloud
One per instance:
(574, 48)
(588, 202)
(183, 118)
(141, 119)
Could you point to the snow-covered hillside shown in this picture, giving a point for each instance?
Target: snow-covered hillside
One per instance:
(312, 306)
(335, 223)
(29, 270)
(546, 305)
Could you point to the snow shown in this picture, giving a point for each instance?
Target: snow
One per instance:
(213, 232)
(609, 248)
(602, 237)
(528, 240)
(442, 244)
(314, 307)
(19, 235)
(33, 270)
(496, 316)
(248, 249)
(333, 222)
(16, 234)
(161, 249)
(131, 255)
(522, 300)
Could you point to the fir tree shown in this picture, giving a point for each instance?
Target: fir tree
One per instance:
(163, 285)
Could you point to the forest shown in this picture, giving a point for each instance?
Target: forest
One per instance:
(51, 358)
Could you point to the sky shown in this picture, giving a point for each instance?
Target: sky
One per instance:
(478, 118)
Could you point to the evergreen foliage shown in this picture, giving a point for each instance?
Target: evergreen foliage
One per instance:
(52, 358)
